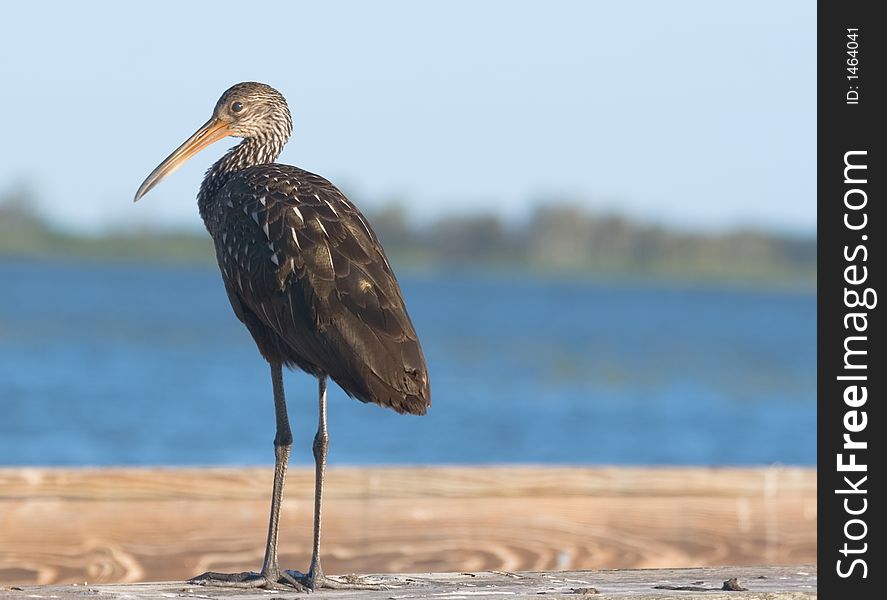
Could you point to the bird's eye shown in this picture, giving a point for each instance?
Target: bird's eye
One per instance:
(236, 107)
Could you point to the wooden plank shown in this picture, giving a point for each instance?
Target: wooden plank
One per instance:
(402, 482)
(756, 583)
(126, 525)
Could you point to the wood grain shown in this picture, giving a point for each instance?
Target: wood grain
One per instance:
(759, 583)
(107, 525)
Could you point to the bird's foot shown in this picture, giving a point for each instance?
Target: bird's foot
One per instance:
(342, 582)
(283, 580)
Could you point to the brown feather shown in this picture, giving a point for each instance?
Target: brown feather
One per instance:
(309, 279)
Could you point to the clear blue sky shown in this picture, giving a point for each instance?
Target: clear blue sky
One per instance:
(700, 114)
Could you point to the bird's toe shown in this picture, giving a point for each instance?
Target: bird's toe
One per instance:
(250, 580)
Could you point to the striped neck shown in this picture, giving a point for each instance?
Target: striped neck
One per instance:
(248, 153)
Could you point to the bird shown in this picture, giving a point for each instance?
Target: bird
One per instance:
(308, 277)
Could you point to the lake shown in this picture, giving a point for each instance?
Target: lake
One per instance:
(109, 364)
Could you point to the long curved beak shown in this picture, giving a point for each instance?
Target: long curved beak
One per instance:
(212, 131)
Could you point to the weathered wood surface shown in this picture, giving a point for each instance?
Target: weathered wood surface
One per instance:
(758, 583)
(126, 525)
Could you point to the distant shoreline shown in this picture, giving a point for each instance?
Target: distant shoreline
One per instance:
(557, 242)
(427, 269)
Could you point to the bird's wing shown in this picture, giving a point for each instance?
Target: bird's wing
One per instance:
(303, 259)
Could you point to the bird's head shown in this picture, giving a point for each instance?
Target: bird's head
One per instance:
(253, 110)
(246, 110)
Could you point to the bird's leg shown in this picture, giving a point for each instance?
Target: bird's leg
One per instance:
(315, 579)
(271, 576)
(283, 442)
(321, 444)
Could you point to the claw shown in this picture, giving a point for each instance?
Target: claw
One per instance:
(352, 582)
(290, 579)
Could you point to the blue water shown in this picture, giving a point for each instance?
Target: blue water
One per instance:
(143, 365)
